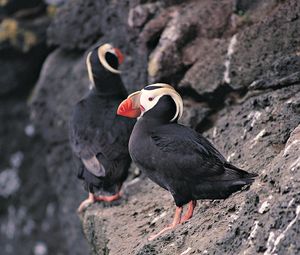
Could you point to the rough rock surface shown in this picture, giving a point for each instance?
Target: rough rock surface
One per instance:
(28, 206)
(278, 37)
(253, 221)
(52, 118)
(22, 45)
(212, 51)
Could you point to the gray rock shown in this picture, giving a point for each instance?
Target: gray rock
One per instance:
(255, 135)
(212, 59)
(185, 24)
(276, 36)
(207, 73)
(80, 24)
(28, 205)
(65, 86)
(22, 52)
(140, 14)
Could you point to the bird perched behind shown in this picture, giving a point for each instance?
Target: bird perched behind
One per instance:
(176, 157)
(99, 137)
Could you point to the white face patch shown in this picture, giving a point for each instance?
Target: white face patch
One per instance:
(149, 98)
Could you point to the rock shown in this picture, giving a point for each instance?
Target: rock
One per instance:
(263, 152)
(28, 221)
(220, 230)
(207, 72)
(52, 115)
(283, 72)
(28, 206)
(140, 14)
(9, 7)
(22, 52)
(185, 24)
(276, 37)
(74, 28)
(64, 86)
(211, 54)
(194, 114)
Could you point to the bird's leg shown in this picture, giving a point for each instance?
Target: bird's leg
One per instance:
(189, 212)
(175, 222)
(109, 198)
(87, 202)
(92, 199)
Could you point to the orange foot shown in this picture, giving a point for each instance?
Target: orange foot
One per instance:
(92, 199)
(189, 212)
(108, 198)
(177, 219)
(84, 204)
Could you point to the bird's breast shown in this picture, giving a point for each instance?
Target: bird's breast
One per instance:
(139, 144)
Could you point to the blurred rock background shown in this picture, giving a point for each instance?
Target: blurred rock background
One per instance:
(237, 65)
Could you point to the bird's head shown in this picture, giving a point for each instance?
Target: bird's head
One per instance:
(160, 101)
(103, 63)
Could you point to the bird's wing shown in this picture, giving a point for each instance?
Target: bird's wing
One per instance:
(107, 135)
(94, 166)
(114, 143)
(187, 153)
(83, 131)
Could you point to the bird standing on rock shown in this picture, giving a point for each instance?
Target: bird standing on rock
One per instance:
(98, 137)
(176, 157)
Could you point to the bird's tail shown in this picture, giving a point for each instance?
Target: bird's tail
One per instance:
(239, 173)
(235, 178)
(220, 187)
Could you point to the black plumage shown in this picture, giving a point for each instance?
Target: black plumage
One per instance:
(181, 160)
(98, 137)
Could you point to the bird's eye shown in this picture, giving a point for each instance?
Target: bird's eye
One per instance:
(150, 98)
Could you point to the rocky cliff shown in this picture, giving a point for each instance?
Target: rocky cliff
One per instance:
(237, 65)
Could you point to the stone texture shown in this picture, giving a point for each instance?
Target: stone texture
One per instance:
(112, 20)
(28, 206)
(186, 23)
(64, 86)
(212, 52)
(256, 135)
(22, 45)
(206, 74)
(276, 37)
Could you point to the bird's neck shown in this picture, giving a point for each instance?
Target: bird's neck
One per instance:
(106, 95)
(149, 123)
(109, 84)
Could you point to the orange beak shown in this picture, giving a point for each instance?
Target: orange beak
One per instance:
(119, 55)
(130, 107)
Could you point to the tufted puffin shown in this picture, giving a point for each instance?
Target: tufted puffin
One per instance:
(99, 137)
(174, 156)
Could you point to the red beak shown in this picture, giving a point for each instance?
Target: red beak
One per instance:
(119, 55)
(126, 109)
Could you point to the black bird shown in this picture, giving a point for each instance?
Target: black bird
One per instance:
(176, 157)
(98, 137)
